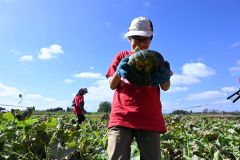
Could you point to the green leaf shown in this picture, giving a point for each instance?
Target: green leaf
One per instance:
(216, 155)
(31, 121)
(231, 131)
(8, 116)
(52, 122)
(72, 144)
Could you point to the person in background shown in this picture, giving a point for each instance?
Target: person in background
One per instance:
(136, 110)
(78, 104)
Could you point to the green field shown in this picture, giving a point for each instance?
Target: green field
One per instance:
(57, 136)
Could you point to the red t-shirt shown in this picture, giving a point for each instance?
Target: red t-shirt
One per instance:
(78, 99)
(135, 106)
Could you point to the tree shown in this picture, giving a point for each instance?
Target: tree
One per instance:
(69, 109)
(104, 107)
(55, 109)
(205, 110)
(180, 112)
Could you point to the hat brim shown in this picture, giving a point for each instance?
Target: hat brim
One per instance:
(139, 33)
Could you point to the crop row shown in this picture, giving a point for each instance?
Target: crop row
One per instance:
(59, 137)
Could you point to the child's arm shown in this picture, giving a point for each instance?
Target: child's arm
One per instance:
(114, 81)
(121, 71)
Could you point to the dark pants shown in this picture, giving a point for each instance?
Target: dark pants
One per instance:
(81, 118)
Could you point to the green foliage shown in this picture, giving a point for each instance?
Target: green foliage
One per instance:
(55, 109)
(48, 137)
(104, 107)
(180, 112)
(196, 137)
(7, 116)
(57, 137)
(69, 109)
(22, 115)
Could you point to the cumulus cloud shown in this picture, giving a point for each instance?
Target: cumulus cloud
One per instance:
(68, 80)
(107, 24)
(122, 36)
(98, 92)
(229, 89)
(236, 68)
(8, 91)
(192, 74)
(51, 52)
(15, 52)
(41, 102)
(180, 79)
(177, 89)
(147, 4)
(7, 2)
(9, 96)
(206, 95)
(234, 45)
(26, 58)
(197, 70)
(91, 75)
(33, 96)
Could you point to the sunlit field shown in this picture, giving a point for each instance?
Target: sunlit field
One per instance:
(56, 135)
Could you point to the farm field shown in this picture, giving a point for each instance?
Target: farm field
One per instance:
(57, 136)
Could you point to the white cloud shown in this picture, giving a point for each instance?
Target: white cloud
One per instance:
(33, 96)
(235, 69)
(229, 89)
(107, 24)
(51, 52)
(91, 75)
(15, 52)
(178, 79)
(26, 58)
(234, 45)
(197, 70)
(147, 4)
(42, 102)
(9, 97)
(68, 80)
(99, 92)
(7, 2)
(191, 74)
(122, 36)
(221, 102)
(175, 89)
(8, 91)
(206, 95)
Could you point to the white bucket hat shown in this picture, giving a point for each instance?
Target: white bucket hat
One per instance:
(140, 26)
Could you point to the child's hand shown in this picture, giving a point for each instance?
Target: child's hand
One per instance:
(123, 67)
(163, 75)
(167, 66)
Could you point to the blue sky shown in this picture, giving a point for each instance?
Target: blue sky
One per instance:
(50, 49)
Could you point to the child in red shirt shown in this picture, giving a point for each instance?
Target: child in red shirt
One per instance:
(78, 104)
(136, 110)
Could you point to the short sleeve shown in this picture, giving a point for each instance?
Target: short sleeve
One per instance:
(112, 68)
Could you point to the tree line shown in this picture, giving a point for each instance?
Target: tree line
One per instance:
(103, 107)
